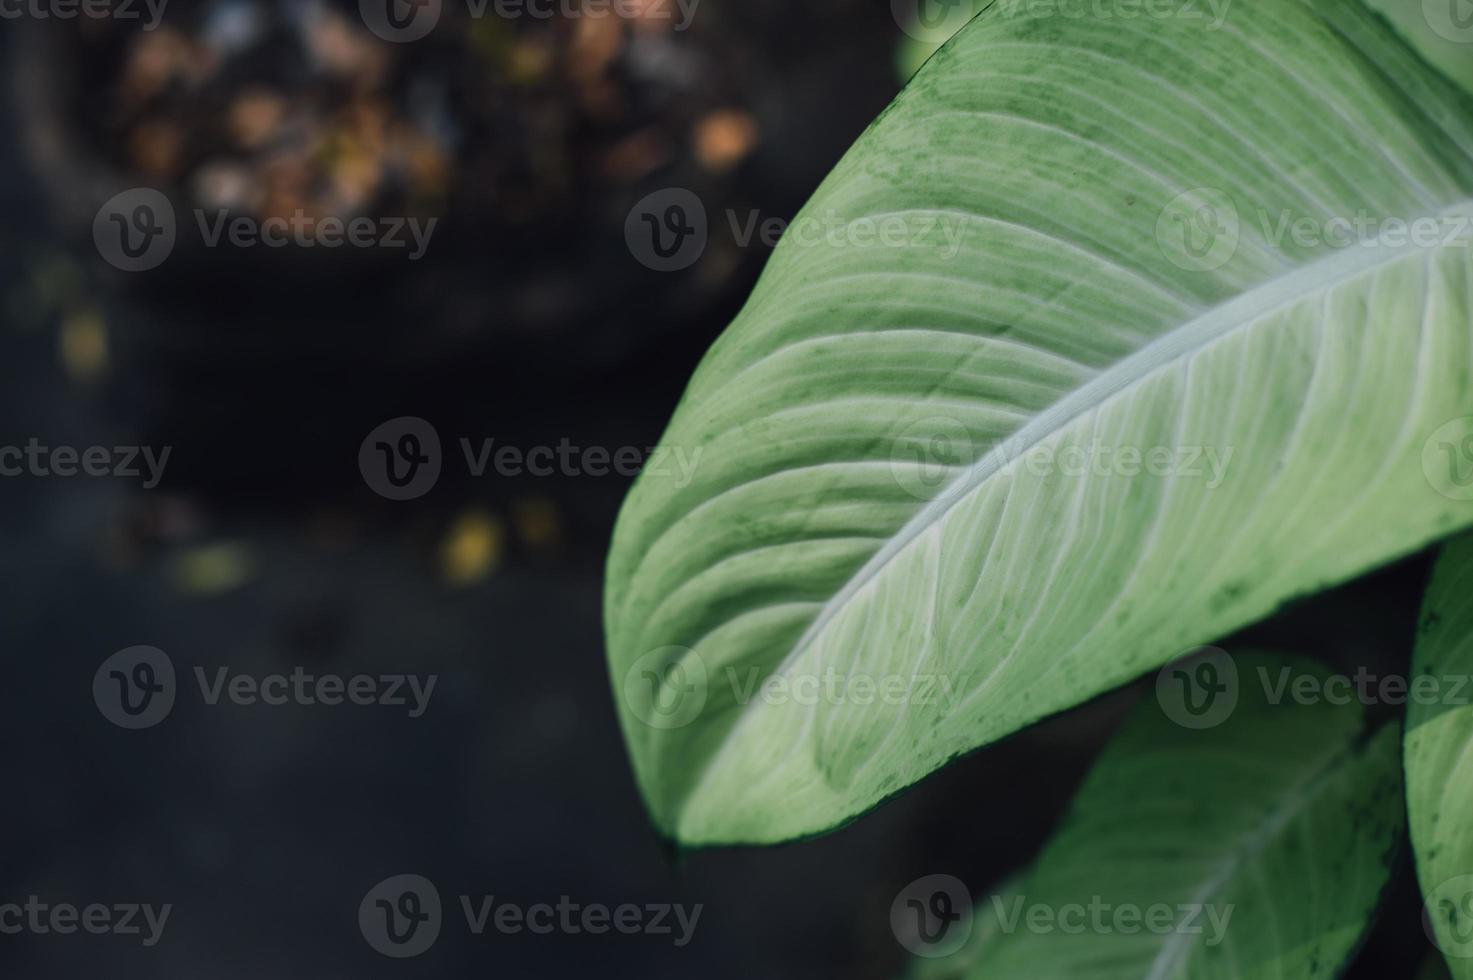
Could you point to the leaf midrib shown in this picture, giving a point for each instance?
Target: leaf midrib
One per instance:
(1240, 312)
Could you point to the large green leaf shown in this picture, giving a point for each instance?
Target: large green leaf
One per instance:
(1256, 849)
(1439, 765)
(1064, 233)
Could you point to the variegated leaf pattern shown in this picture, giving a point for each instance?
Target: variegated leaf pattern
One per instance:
(1067, 236)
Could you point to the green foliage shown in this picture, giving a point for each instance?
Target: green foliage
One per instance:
(1257, 848)
(1066, 234)
(1439, 770)
(1176, 252)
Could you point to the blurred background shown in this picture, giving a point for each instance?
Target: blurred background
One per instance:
(565, 292)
